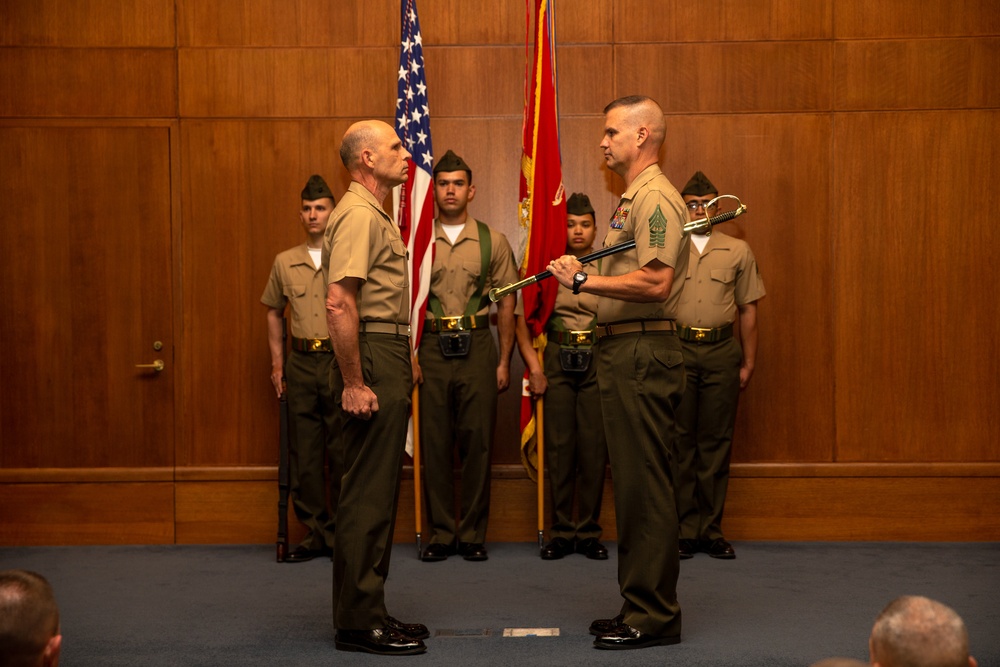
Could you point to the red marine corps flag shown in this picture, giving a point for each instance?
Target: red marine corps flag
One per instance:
(542, 211)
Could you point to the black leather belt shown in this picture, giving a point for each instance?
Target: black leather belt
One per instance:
(700, 335)
(312, 344)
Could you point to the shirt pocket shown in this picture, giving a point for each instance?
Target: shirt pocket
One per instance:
(398, 272)
(292, 292)
(722, 285)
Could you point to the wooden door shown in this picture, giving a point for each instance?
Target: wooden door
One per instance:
(86, 281)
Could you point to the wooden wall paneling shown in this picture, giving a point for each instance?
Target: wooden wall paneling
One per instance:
(227, 512)
(87, 23)
(721, 20)
(916, 74)
(98, 513)
(456, 22)
(585, 78)
(60, 82)
(584, 22)
(860, 19)
(74, 397)
(292, 82)
(474, 81)
(779, 166)
(728, 77)
(913, 258)
(866, 509)
(217, 294)
(268, 23)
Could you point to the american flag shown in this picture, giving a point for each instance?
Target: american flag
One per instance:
(413, 202)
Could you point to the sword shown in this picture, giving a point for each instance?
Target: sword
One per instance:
(708, 221)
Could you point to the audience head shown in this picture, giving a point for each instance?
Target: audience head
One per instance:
(914, 631)
(29, 621)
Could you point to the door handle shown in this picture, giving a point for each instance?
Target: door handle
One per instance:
(157, 365)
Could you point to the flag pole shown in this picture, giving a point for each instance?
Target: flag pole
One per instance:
(415, 412)
(540, 454)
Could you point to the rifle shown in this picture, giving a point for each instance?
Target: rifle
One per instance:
(283, 483)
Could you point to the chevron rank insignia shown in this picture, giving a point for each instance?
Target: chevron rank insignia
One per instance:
(657, 229)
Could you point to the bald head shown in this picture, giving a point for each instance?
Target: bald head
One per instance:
(914, 631)
(640, 111)
(29, 620)
(360, 136)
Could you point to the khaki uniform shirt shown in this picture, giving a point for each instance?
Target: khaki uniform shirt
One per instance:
(295, 280)
(718, 280)
(457, 266)
(653, 213)
(362, 242)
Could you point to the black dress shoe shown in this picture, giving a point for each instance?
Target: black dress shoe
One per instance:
(302, 554)
(411, 630)
(472, 550)
(558, 547)
(719, 548)
(382, 641)
(603, 626)
(625, 637)
(592, 549)
(436, 552)
(687, 548)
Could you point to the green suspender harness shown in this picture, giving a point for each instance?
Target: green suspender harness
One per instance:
(455, 333)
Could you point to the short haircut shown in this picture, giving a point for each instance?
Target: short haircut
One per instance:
(914, 631)
(29, 617)
(643, 110)
(359, 137)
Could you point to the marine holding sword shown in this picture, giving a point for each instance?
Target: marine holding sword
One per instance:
(640, 371)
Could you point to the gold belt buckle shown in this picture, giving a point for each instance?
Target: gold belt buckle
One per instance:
(700, 334)
(579, 337)
(315, 344)
(451, 324)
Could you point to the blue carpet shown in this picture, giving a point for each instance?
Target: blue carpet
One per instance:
(778, 603)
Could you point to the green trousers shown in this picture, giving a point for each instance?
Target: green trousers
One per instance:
(576, 451)
(458, 409)
(705, 421)
(312, 433)
(641, 376)
(372, 453)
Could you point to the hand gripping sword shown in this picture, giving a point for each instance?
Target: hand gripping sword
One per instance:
(708, 221)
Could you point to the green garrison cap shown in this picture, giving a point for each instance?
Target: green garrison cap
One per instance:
(699, 186)
(316, 188)
(452, 162)
(579, 204)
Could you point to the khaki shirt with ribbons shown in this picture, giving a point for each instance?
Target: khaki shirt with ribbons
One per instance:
(456, 269)
(362, 242)
(718, 279)
(653, 213)
(296, 281)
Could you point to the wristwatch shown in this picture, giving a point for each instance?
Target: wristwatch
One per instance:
(579, 278)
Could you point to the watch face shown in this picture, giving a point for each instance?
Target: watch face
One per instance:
(579, 276)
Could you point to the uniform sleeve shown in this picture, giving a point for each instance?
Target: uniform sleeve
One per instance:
(658, 225)
(503, 271)
(749, 284)
(350, 247)
(274, 296)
